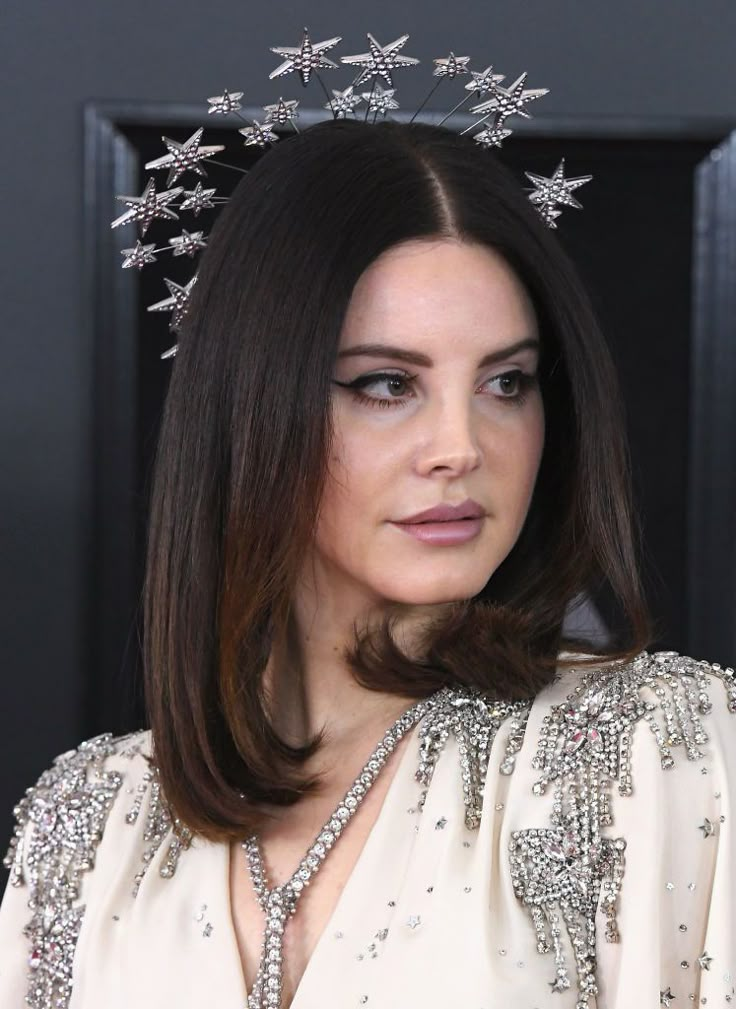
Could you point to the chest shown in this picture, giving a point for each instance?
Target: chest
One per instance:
(282, 848)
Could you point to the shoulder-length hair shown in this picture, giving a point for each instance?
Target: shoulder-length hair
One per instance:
(244, 443)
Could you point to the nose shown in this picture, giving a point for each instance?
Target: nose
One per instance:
(448, 438)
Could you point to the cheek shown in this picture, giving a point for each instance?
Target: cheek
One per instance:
(515, 466)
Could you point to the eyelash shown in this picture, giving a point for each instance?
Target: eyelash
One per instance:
(526, 382)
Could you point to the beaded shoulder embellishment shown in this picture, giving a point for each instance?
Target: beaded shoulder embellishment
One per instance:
(66, 812)
(68, 808)
(159, 821)
(474, 718)
(585, 745)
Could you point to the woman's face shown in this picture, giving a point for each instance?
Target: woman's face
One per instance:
(438, 431)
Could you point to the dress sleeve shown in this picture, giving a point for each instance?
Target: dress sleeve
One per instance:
(677, 905)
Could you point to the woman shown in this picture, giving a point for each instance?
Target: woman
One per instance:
(383, 774)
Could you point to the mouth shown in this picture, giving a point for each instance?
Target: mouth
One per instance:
(445, 532)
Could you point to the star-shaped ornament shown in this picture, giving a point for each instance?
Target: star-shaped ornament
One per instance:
(184, 157)
(282, 112)
(511, 101)
(259, 134)
(344, 102)
(304, 58)
(186, 244)
(148, 206)
(492, 136)
(177, 303)
(549, 214)
(198, 199)
(558, 189)
(226, 102)
(139, 256)
(451, 66)
(380, 99)
(704, 961)
(666, 996)
(381, 60)
(707, 827)
(484, 82)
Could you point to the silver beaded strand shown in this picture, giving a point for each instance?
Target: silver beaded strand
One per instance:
(280, 902)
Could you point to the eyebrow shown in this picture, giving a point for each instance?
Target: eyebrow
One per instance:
(414, 357)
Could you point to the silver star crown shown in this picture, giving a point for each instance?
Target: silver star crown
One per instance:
(308, 59)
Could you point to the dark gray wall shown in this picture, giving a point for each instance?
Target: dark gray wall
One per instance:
(640, 57)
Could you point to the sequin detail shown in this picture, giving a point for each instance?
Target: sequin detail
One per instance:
(65, 812)
(559, 872)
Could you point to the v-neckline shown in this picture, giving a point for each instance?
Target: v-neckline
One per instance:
(384, 810)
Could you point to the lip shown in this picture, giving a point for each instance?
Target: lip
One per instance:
(443, 533)
(467, 509)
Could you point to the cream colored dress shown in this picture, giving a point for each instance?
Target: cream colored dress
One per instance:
(579, 850)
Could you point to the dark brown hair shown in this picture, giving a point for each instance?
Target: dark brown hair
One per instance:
(246, 427)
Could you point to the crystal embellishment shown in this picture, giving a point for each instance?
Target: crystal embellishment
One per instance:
(280, 902)
(560, 872)
(59, 823)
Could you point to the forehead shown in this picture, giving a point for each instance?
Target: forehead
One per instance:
(445, 284)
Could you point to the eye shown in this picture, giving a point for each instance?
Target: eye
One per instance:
(523, 381)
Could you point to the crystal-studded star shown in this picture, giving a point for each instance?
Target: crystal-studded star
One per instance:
(557, 189)
(492, 136)
(380, 99)
(511, 101)
(177, 303)
(198, 199)
(704, 961)
(549, 214)
(451, 66)
(184, 157)
(226, 102)
(304, 58)
(282, 112)
(560, 983)
(139, 256)
(259, 134)
(666, 996)
(187, 244)
(381, 60)
(344, 102)
(707, 827)
(484, 82)
(148, 206)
